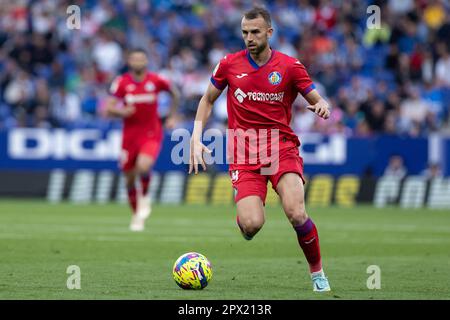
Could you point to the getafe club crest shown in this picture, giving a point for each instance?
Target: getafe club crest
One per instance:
(149, 86)
(274, 77)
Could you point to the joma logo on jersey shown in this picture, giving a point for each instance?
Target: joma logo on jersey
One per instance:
(258, 96)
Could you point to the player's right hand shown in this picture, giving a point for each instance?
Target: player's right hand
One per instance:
(196, 155)
(128, 110)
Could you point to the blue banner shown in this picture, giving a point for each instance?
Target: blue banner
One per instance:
(98, 150)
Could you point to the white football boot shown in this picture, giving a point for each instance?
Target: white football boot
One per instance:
(144, 208)
(137, 223)
(143, 211)
(320, 282)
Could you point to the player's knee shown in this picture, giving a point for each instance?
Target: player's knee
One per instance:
(143, 167)
(296, 214)
(251, 225)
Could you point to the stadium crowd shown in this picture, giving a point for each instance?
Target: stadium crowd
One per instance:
(394, 79)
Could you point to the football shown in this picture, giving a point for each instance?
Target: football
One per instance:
(192, 271)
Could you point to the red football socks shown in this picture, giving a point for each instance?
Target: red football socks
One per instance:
(132, 200)
(308, 238)
(145, 181)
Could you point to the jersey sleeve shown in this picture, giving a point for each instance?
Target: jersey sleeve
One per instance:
(162, 83)
(219, 75)
(117, 88)
(301, 79)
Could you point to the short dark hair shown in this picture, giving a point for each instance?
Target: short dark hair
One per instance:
(256, 12)
(137, 50)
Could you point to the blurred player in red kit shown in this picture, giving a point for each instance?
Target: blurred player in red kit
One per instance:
(135, 99)
(262, 85)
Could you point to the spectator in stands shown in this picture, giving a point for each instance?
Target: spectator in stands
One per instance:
(376, 116)
(433, 171)
(396, 167)
(19, 93)
(413, 110)
(107, 54)
(443, 66)
(353, 116)
(391, 123)
(65, 108)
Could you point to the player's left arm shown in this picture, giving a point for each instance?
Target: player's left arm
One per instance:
(317, 104)
(305, 86)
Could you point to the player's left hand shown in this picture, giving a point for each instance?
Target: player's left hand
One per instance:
(321, 109)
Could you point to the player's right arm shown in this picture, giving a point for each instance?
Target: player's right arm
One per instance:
(197, 148)
(114, 107)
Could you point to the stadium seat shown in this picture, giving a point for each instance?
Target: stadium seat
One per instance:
(320, 190)
(172, 187)
(197, 189)
(222, 191)
(347, 187)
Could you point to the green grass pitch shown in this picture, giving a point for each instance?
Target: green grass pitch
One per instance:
(38, 241)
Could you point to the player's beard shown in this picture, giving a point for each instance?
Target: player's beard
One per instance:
(138, 71)
(258, 49)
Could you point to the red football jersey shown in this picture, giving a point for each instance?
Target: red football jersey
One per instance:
(258, 98)
(145, 122)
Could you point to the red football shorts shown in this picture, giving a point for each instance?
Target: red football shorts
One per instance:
(253, 183)
(130, 152)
